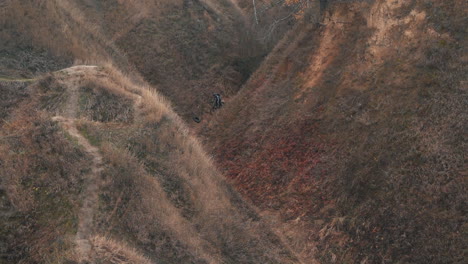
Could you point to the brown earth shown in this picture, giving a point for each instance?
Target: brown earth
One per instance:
(342, 134)
(350, 135)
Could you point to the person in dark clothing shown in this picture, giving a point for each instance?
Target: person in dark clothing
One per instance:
(218, 102)
(323, 5)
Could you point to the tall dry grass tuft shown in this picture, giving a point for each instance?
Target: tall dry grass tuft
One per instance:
(151, 105)
(111, 251)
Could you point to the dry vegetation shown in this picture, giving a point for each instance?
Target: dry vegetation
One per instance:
(11, 94)
(101, 105)
(353, 130)
(349, 137)
(111, 251)
(190, 49)
(40, 171)
(166, 197)
(160, 195)
(189, 52)
(45, 35)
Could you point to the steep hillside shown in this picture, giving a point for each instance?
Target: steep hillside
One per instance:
(188, 48)
(343, 131)
(46, 35)
(96, 168)
(351, 135)
(271, 19)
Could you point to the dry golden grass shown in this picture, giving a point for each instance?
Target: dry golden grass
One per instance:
(152, 106)
(149, 208)
(111, 251)
(210, 204)
(365, 108)
(65, 29)
(199, 219)
(165, 197)
(42, 198)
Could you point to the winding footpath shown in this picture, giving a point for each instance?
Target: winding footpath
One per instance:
(92, 179)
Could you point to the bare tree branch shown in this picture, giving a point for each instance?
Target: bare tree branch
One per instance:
(255, 11)
(276, 22)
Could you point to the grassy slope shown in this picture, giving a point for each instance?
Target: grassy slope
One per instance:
(41, 168)
(161, 197)
(189, 49)
(343, 111)
(197, 212)
(354, 132)
(191, 227)
(42, 36)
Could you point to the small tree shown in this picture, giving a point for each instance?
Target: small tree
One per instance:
(291, 10)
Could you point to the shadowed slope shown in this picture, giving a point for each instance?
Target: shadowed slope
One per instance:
(354, 131)
(191, 49)
(349, 137)
(188, 48)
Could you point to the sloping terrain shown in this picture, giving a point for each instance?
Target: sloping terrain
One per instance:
(271, 19)
(190, 49)
(142, 180)
(342, 136)
(351, 135)
(65, 188)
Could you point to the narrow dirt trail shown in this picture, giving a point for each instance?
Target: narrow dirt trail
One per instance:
(92, 179)
(90, 192)
(71, 80)
(12, 79)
